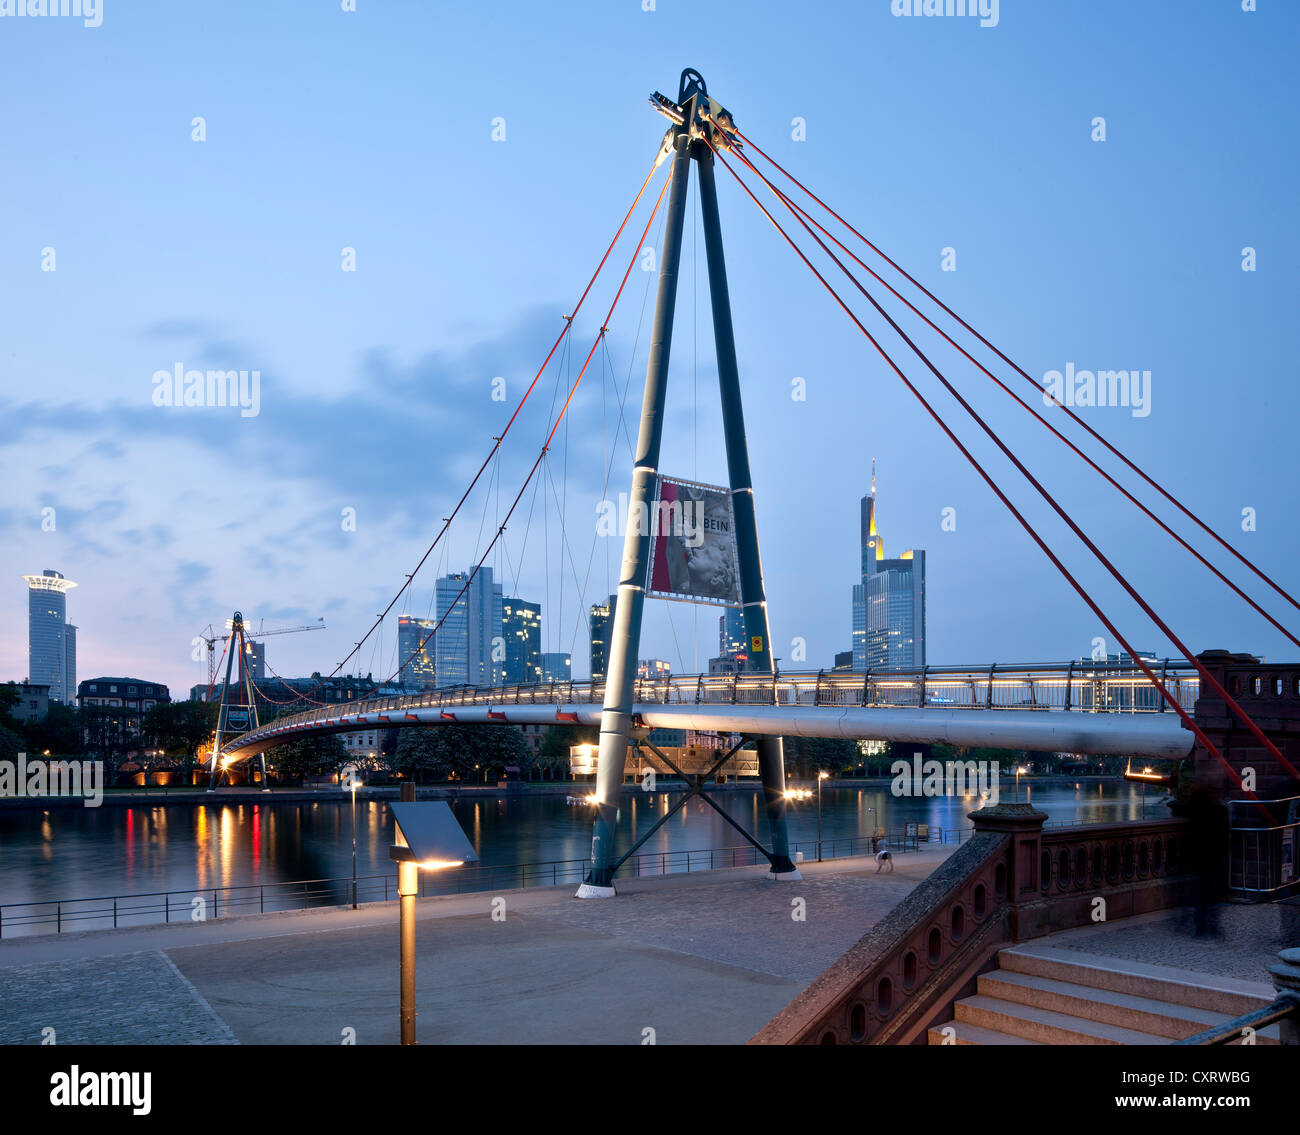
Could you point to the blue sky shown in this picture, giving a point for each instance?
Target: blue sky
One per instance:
(373, 130)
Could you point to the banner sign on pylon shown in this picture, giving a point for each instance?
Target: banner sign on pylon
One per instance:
(693, 544)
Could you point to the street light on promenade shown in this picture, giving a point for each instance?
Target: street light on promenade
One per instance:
(353, 786)
(1019, 769)
(428, 837)
(820, 777)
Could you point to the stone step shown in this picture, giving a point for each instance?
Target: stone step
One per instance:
(1228, 996)
(966, 1033)
(1045, 1026)
(1126, 1010)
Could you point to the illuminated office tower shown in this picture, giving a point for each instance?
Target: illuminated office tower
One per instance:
(889, 603)
(521, 624)
(51, 642)
(470, 646)
(416, 652)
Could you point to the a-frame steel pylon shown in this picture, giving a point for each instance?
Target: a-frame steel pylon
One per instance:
(695, 117)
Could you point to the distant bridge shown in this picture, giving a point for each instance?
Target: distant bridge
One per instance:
(1076, 707)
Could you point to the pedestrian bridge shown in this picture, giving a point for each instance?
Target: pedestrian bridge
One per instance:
(1077, 707)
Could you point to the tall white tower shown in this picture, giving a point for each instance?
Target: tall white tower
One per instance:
(51, 647)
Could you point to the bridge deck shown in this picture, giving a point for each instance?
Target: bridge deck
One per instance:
(1105, 708)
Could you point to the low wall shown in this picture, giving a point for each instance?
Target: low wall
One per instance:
(1011, 882)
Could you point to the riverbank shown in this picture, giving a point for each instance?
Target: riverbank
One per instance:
(199, 797)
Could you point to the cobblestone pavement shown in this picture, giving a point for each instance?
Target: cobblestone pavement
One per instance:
(1246, 943)
(135, 998)
(750, 922)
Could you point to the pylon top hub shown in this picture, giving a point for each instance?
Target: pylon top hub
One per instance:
(704, 117)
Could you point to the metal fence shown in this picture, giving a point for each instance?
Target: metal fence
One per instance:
(1262, 857)
(206, 903)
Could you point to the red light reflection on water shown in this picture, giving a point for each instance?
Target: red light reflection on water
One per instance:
(130, 843)
(257, 839)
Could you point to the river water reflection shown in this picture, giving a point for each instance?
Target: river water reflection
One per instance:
(69, 853)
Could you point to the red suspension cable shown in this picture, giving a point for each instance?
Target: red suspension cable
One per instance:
(1186, 718)
(1075, 417)
(604, 328)
(802, 215)
(568, 323)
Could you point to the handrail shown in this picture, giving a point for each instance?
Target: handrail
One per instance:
(1287, 1005)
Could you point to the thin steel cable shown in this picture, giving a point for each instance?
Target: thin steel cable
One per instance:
(604, 330)
(568, 323)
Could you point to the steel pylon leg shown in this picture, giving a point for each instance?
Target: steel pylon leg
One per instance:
(771, 754)
(224, 705)
(625, 636)
(616, 717)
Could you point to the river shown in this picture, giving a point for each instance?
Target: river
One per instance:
(70, 853)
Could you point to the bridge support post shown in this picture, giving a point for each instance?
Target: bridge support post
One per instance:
(625, 635)
(771, 752)
(223, 708)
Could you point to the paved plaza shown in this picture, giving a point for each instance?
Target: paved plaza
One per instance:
(1243, 944)
(705, 958)
(701, 958)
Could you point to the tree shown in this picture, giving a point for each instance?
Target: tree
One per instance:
(60, 731)
(812, 754)
(553, 755)
(470, 752)
(420, 755)
(9, 699)
(11, 744)
(180, 727)
(294, 761)
(109, 736)
(497, 747)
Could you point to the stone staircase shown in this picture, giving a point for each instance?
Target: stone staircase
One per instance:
(1052, 995)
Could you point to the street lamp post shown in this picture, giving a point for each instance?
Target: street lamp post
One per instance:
(1019, 770)
(428, 837)
(820, 777)
(354, 785)
(872, 837)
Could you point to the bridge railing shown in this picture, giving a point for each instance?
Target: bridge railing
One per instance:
(1079, 687)
(1262, 855)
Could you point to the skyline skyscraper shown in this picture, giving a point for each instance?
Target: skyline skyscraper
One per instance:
(521, 624)
(469, 646)
(70, 660)
(256, 660)
(889, 603)
(51, 641)
(600, 623)
(416, 652)
(731, 633)
(557, 666)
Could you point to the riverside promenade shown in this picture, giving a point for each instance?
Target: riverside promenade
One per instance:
(699, 958)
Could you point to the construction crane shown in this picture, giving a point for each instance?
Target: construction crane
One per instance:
(212, 636)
